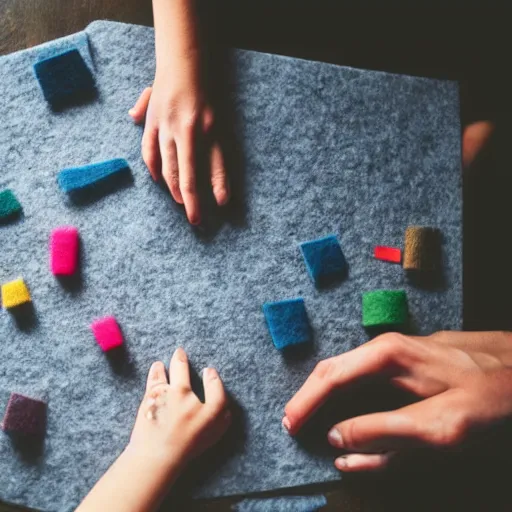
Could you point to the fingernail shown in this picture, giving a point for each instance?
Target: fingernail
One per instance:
(335, 438)
(180, 354)
(131, 111)
(210, 374)
(221, 195)
(341, 462)
(286, 424)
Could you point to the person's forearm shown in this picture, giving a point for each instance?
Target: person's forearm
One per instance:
(176, 35)
(132, 484)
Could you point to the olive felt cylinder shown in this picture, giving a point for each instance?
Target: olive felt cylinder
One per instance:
(422, 248)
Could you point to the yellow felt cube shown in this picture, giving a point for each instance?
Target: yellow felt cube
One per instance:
(15, 293)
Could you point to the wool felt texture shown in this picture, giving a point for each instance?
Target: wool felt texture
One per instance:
(9, 205)
(15, 293)
(385, 307)
(287, 322)
(24, 415)
(422, 250)
(107, 333)
(324, 259)
(390, 254)
(320, 149)
(65, 79)
(64, 251)
(282, 504)
(78, 178)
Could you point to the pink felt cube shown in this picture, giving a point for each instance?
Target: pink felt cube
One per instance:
(64, 251)
(107, 333)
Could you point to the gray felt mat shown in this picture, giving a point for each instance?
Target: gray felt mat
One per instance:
(322, 150)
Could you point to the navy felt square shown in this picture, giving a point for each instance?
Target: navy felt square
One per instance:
(65, 80)
(324, 260)
(287, 322)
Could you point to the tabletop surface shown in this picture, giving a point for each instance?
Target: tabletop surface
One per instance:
(25, 23)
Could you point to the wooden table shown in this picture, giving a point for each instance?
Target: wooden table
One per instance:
(380, 39)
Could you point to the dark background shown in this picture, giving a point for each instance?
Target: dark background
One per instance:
(470, 43)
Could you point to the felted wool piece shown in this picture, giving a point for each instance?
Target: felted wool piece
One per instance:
(324, 259)
(78, 178)
(15, 293)
(422, 248)
(384, 307)
(9, 205)
(287, 322)
(64, 251)
(24, 415)
(391, 254)
(316, 153)
(107, 333)
(282, 504)
(65, 79)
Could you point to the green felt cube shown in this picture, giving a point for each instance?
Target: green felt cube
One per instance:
(9, 205)
(384, 307)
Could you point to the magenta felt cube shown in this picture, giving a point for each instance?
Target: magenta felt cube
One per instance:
(64, 251)
(24, 415)
(107, 333)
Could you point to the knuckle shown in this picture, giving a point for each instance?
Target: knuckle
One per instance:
(188, 186)
(189, 121)
(348, 431)
(173, 183)
(214, 410)
(208, 120)
(324, 369)
(392, 343)
(452, 434)
(440, 336)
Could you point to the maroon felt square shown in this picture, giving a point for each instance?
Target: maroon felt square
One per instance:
(24, 415)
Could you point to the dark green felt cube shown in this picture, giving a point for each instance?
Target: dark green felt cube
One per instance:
(9, 205)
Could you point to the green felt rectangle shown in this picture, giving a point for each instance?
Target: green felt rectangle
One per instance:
(384, 307)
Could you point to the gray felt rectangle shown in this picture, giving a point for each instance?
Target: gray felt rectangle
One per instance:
(323, 150)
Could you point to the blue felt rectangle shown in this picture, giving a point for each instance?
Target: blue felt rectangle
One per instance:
(78, 178)
(287, 322)
(65, 79)
(324, 259)
(282, 504)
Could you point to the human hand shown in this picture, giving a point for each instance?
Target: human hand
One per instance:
(172, 423)
(464, 381)
(178, 121)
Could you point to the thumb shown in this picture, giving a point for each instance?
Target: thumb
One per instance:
(138, 111)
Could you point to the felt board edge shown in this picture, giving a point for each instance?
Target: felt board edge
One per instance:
(101, 25)
(77, 40)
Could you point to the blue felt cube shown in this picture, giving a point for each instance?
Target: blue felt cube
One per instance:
(287, 322)
(77, 178)
(65, 80)
(324, 260)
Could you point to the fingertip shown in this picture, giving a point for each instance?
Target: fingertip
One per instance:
(335, 438)
(194, 218)
(356, 462)
(221, 195)
(176, 193)
(210, 374)
(289, 426)
(180, 355)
